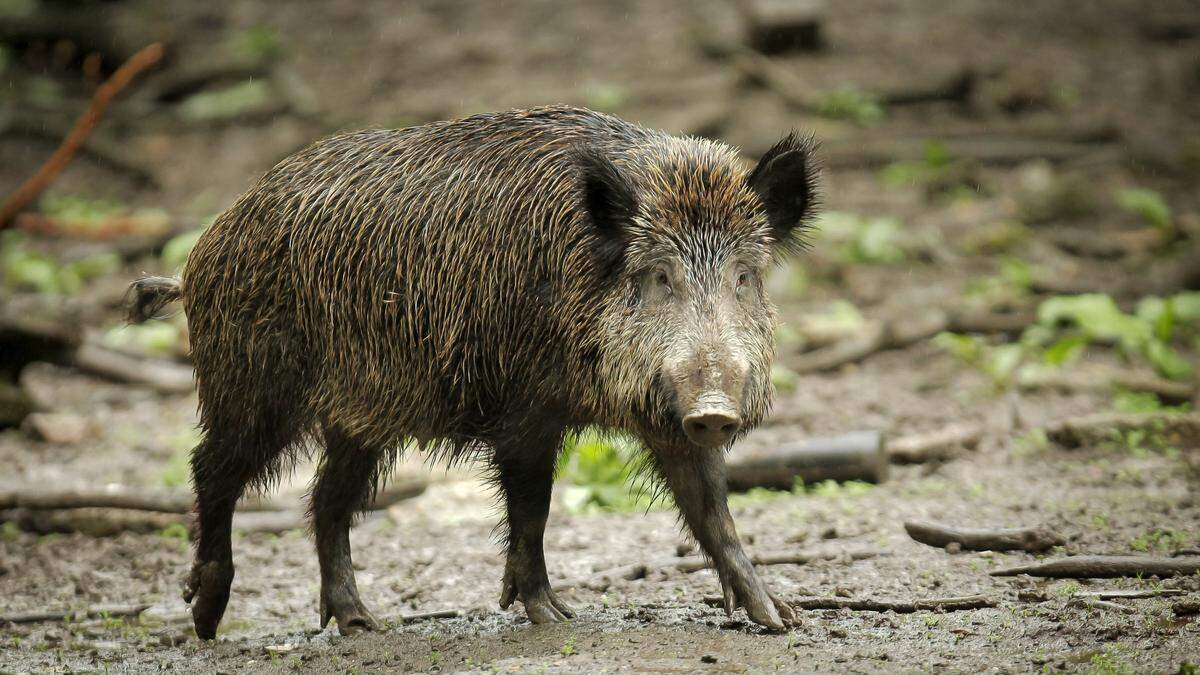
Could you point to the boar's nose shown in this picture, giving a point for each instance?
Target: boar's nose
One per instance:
(710, 429)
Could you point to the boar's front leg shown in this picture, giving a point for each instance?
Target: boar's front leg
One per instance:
(696, 478)
(526, 473)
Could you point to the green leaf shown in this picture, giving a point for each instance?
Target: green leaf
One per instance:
(1065, 350)
(1167, 361)
(176, 251)
(1148, 204)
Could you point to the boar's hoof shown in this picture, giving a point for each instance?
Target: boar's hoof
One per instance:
(541, 604)
(208, 586)
(762, 607)
(352, 617)
(546, 608)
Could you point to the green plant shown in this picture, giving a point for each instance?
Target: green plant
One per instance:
(1149, 205)
(568, 648)
(257, 43)
(998, 361)
(25, 268)
(1159, 540)
(858, 239)
(851, 104)
(1096, 318)
(600, 468)
(227, 103)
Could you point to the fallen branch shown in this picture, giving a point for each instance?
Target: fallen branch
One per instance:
(426, 616)
(104, 150)
(902, 332)
(164, 376)
(1079, 431)
(1095, 603)
(900, 607)
(1170, 391)
(1030, 539)
(1130, 594)
(853, 456)
(38, 499)
(936, 445)
(28, 191)
(689, 565)
(93, 612)
(1104, 566)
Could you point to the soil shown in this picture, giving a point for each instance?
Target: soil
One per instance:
(438, 551)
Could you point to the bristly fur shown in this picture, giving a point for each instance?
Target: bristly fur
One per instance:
(147, 296)
(805, 174)
(475, 287)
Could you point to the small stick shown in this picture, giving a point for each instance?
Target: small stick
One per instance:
(94, 611)
(426, 616)
(1130, 594)
(1093, 603)
(690, 565)
(1104, 566)
(900, 607)
(1030, 539)
(33, 187)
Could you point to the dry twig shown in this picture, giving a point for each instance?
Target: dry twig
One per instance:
(1030, 539)
(1103, 566)
(94, 611)
(29, 191)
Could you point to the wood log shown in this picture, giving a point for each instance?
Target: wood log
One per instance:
(1105, 566)
(48, 499)
(933, 446)
(1030, 539)
(854, 456)
(780, 26)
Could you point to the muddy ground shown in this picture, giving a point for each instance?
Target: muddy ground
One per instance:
(1042, 71)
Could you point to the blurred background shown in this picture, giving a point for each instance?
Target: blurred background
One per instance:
(1010, 244)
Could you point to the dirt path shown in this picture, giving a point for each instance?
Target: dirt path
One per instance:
(435, 553)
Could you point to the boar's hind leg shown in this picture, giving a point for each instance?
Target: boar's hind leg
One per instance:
(221, 469)
(696, 479)
(526, 474)
(348, 474)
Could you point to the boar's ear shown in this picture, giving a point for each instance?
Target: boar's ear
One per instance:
(785, 181)
(608, 199)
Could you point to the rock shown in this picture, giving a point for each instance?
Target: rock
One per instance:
(61, 428)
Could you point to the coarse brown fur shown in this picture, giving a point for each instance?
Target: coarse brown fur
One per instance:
(472, 287)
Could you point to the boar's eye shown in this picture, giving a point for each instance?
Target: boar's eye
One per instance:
(662, 280)
(656, 285)
(746, 279)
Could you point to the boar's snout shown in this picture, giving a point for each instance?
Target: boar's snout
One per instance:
(711, 427)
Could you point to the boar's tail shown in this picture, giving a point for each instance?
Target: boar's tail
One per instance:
(147, 296)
